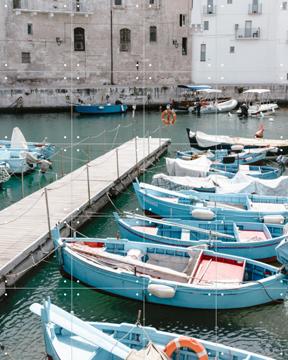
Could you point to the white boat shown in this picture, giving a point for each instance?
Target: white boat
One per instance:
(4, 174)
(258, 103)
(211, 105)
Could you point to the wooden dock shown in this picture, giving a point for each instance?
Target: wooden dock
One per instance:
(25, 225)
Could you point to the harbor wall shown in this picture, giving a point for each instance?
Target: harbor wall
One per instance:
(61, 99)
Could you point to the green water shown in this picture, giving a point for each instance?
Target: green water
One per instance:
(262, 329)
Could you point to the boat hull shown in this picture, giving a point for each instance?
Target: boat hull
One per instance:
(101, 109)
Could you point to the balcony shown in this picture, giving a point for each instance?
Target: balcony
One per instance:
(255, 9)
(247, 34)
(48, 7)
(209, 10)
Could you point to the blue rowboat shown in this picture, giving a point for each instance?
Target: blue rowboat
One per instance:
(101, 109)
(260, 172)
(224, 156)
(170, 275)
(252, 240)
(67, 337)
(209, 206)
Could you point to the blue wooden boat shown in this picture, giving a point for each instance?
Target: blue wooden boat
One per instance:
(252, 240)
(170, 275)
(225, 156)
(101, 109)
(209, 206)
(18, 142)
(67, 337)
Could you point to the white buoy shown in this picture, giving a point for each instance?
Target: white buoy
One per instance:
(229, 114)
(161, 291)
(271, 119)
(261, 114)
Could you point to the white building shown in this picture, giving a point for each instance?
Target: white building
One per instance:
(240, 42)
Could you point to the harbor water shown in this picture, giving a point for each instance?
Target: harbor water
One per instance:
(82, 138)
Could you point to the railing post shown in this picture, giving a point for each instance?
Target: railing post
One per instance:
(136, 149)
(117, 163)
(47, 211)
(149, 138)
(88, 184)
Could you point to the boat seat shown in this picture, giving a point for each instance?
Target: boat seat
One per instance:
(150, 230)
(193, 261)
(251, 236)
(185, 235)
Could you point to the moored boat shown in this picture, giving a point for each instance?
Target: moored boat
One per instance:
(170, 275)
(252, 240)
(208, 206)
(98, 109)
(68, 337)
(257, 103)
(202, 140)
(4, 174)
(202, 167)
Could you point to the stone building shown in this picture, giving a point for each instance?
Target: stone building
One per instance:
(91, 43)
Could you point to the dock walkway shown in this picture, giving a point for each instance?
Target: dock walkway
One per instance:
(24, 226)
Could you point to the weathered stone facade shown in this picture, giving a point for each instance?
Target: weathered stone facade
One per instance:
(39, 44)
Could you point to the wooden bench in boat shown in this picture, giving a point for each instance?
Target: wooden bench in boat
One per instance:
(150, 230)
(251, 235)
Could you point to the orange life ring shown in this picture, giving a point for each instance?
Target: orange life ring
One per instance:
(187, 342)
(168, 117)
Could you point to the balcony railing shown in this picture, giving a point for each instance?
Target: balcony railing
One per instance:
(251, 33)
(255, 9)
(209, 10)
(42, 6)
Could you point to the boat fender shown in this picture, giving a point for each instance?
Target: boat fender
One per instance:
(161, 291)
(273, 219)
(122, 108)
(186, 342)
(203, 214)
(237, 147)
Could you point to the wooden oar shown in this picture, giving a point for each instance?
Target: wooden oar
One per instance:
(182, 226)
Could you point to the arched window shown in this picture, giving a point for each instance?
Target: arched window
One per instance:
(125, 40)
(153, 33)
(79, 39)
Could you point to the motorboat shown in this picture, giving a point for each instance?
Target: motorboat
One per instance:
(201, 140)
(98, 109)
(257, 102)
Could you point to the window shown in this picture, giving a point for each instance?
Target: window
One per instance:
(77, 5)
(229, 1)
(184, 46)
(29, 29)
(118, 2)
(125, 40)
(203, 52)
(284, 5)
(26, 58)
(151, 2)
(16, 4)
(232, 49)
(79, 39)
(153, 33)
(182, 20)
(206, 25)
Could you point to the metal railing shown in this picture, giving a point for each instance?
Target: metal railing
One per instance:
(255, 9)
(209, 10)
(247, 33)
(49, 6)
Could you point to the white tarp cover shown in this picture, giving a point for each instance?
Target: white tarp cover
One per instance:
(198, 167)
(206, 141)
(240, 183)
(18, 140)
(151, 352)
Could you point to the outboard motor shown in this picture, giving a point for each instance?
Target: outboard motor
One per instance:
(244, 111)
